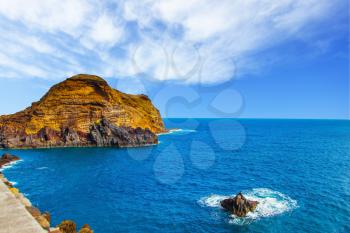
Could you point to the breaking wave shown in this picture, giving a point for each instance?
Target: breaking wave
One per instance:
(271, 203)
(9, 165)
(14, 183)
(178, 131)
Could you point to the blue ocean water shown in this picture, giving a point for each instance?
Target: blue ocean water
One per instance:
(299, 171)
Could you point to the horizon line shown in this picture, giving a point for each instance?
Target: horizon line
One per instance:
(258, 118)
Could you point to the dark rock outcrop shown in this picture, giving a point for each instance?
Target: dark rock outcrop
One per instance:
(7, 158)
(67, 226)
(101, 134)
(239, 205)
(83, 111)
(107, 134)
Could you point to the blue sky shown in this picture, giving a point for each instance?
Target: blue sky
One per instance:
(194, 58)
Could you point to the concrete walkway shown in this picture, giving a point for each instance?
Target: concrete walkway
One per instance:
(14, 218)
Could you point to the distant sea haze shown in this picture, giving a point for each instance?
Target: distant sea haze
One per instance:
(297, 169)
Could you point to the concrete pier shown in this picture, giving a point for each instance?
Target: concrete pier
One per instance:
(14, 218)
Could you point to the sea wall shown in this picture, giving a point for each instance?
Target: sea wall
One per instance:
(18, 215)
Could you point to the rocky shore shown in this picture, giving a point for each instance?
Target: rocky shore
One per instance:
(101, 134)
(43, 219)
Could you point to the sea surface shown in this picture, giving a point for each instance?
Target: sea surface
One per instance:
(299, 171)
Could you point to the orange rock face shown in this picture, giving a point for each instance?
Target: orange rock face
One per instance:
(72, 107)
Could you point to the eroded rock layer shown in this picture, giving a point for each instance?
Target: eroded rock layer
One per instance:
(83, 111)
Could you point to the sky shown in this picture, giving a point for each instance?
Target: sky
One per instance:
(193, 58)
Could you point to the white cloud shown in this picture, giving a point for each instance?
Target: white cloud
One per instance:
(64, 15)
(226, 32)
(105, 31)
(191, 41)
(20, 67)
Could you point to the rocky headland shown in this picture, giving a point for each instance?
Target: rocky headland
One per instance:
(83, 111)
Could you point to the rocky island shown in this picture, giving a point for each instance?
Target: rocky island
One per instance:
(83, 111)
(239, 205)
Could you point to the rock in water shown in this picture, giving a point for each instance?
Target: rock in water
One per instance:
(86, 229)
(83, 111)
(7, 158)
(239, 205)
(67, 226)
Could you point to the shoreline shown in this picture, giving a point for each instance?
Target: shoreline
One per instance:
(169, 131)
(18, 208)
(16, 218)
(77, 146)
(19, 214)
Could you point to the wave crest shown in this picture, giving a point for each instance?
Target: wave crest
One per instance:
(178, 131)
(271, 203)
(9, 165)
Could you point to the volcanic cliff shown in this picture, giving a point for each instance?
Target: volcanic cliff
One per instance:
(83, 111)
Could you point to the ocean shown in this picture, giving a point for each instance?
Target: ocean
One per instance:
(299, 171)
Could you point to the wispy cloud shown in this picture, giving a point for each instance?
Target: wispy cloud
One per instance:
(190, 41)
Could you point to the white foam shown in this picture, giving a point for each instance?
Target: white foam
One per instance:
(178, 131)
(14, 183)
(212, 200)
(42, 168)
(271, 203)
(9, 165)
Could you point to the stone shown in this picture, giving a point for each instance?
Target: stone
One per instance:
(55, 230)
(7, 158)
(35, 212)
(86, 229)
(239, 205)
(67, 226)
(15, 191)
(47, 216)
(43, 222)
(83, 111)
(8, 184)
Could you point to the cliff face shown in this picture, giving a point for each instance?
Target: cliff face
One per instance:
(83, 111)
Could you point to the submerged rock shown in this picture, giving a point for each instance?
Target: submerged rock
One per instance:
(83, 111)
(239, 205)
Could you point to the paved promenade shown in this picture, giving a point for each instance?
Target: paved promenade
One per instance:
(14, 218)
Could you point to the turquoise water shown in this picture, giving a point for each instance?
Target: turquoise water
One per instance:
(299, 170)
